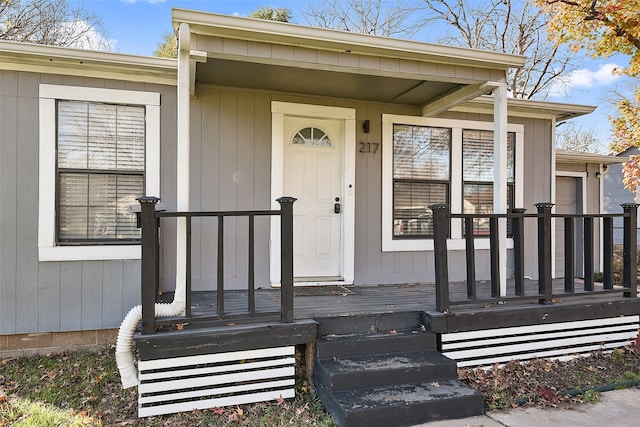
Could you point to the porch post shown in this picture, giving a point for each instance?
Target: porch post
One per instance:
(182, 152)
(630, 250)
(440, 234)
(500, 176)
(545, 284)
(286, 258)
(148, 270)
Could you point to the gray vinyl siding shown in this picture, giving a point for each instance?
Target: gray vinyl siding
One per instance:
(615, 194)
(59, 296)
(230, 169)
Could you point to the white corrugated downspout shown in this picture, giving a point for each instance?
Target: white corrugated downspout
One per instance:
(124, 344)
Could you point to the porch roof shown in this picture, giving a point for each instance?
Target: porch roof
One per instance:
(260, 54)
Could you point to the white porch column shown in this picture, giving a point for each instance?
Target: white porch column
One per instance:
(500, 175)
(183, 150)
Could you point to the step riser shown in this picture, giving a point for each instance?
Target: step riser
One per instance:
(369, 323)
(411, 414)
(419, 341)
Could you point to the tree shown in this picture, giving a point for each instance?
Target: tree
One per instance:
(363, 16)
(604, 28)
(51, 22)
(272, 14)
(508, 26)
(168, 48)
(572, 136)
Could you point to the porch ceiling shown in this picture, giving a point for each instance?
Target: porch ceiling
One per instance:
(319, 82)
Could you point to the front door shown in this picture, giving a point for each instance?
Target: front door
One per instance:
(312, 173)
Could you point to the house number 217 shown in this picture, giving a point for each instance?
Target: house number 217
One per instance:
(368, 147)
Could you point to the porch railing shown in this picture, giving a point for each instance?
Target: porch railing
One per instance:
(150, 223)
(545, 295)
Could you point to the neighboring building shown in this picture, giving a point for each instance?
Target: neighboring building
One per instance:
(615, 192)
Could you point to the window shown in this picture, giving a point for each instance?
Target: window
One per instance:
(99, 151)
(100, 163)
(477, 175)
(421, 173)
(427, 161)
(311, 136)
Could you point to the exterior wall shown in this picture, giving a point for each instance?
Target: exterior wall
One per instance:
(231, 151)
(615, 194)
(59, 296)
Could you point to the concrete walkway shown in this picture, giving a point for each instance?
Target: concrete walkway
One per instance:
(618, 408)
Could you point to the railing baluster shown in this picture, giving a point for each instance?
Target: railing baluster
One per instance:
(494, 243)
(517, 228)
(286, 258)
(220, 276)
(588, 253)
(630, 270)
(440, 234)
(251, 273)
(544, 253)
(149, 277)
(470, 254)
(569, 255)
(607, 237)
(187, 308)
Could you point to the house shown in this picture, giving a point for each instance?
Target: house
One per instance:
(362, 133)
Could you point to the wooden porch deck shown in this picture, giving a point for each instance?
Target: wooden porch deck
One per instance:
(352, 301)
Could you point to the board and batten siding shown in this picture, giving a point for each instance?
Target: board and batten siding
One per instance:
(230, 170)
(59, 296)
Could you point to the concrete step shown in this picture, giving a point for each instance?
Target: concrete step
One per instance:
(402, 405)
(341, 373)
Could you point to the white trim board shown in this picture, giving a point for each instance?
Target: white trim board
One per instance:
(47, 248)
(278, 112)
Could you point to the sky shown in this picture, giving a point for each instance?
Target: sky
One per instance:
(137, 26)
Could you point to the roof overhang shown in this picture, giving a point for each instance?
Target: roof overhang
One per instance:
(528, 108)
(284, 57)
(86, 63)
(570, 156)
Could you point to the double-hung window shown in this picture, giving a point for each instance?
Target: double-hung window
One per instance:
(478, 174)
(428, 161)
(99, 151)
(421, 174)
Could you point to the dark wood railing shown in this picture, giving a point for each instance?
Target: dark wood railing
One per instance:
(545, 295)
(150, 222)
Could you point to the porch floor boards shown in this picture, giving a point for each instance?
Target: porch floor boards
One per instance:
(383, 299)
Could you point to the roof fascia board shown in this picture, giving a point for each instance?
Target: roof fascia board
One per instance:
(341, 41)
(60, 60)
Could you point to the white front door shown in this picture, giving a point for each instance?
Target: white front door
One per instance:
(312, 173)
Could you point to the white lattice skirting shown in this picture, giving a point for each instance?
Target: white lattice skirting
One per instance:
(215, 380)
(554, 340)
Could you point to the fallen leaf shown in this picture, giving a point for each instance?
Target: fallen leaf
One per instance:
(435, 384)
(180, 326)
(279, 400)
(393, 331)
(239, 411)
(219, 411)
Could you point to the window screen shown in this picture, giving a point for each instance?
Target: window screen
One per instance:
(100, 171)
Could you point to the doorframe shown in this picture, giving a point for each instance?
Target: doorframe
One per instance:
(581, 204)
(280, 110)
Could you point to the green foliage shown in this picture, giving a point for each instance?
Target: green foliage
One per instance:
(591, 396)
(168, 48)
(272, 14)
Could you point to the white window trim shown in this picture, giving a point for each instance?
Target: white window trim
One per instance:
(456, 242)
(47, 249)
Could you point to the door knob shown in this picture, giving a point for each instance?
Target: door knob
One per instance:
(336, 206)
